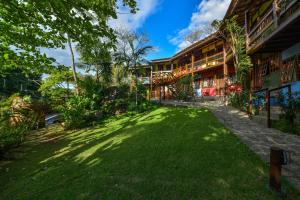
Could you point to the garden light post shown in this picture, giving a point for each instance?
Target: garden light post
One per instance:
(278, 157)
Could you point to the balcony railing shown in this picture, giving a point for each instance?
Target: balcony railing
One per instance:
(200, 63)
(262, 30)
(159, 77)
(215, 60)
(271, 21)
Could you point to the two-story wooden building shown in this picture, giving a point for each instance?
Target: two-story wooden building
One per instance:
(205, 61)
(272, 30)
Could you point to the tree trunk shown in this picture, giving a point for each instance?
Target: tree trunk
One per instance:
(73, 67)
(97, 73)
(136, 87)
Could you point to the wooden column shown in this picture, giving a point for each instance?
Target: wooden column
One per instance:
(250, 102)
(268, 109)
(193, 61)
(151, 84)
(225, 68)
(160, 93)
(247, 28)
(275, 169)
(164, 92)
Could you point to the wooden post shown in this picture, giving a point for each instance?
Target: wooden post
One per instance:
(290, 98)
(250, 102)
(289, 91)
(275, 169)
(225, 68)
(164, 92)
(193, 60)
(151, 84)
(247, 29)
(268, 109)
(160, 93)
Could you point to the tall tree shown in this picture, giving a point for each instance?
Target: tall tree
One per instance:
(96, 57)
(28, 25)
(73, 66)
(131, 51)
(234, 34)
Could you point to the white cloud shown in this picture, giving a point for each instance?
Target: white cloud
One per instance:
(207, 11)
(134, 21)
(62, 56)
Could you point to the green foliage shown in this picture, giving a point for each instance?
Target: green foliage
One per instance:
(93, 90)
(5, 107)
(286, 126)
(168, 153)
(74, 112)
(132, 48)
(290, 106)
(234, 34)
(96, 57)
(119, 74)
(13, 135)
(237, 41)
(239, 100)
(17, 81)
(54, 88)
(28, 25)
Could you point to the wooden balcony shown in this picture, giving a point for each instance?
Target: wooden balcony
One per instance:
(272, 22)
(166, 77)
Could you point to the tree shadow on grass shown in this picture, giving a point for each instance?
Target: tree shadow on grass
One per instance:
(170, 153)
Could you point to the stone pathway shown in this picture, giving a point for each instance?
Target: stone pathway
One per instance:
(256, 136)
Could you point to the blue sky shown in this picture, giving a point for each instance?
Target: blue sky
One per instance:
(165, 21)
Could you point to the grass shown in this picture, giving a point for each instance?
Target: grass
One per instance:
(169, 153)
(286, 126)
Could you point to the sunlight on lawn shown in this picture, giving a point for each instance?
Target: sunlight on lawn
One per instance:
(169, 153)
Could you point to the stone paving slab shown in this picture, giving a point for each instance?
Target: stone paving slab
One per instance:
(258, 138)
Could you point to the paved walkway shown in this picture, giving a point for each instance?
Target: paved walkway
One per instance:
(257, 137)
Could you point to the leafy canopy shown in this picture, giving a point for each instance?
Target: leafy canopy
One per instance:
(28, 25)
(96, 57)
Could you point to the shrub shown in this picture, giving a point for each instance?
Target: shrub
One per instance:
(286, 126)
(12, 134)
(74, 112)
(239, 100)
(289, 106)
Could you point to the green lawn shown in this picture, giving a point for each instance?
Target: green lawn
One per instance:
(169, 153)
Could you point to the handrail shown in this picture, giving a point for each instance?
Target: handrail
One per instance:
(158, 72)
(261, 21)
(281, 87)
(187, 69)
(199, 62)
(262, 90)
(217, 54)
(288, 5)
